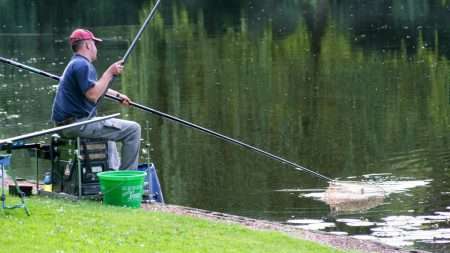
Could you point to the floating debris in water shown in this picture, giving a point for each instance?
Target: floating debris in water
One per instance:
(404, 221)
(13, 116)
(389, 233)
(375, 175)
(347, 220)
(434, 241)
(435, 218)
(317, 226)
(361, 224)
(301, 190)
(338, 233)
(397, 242)
(304, 221)
(443, 214)
(311, 224)
(402, 186)
(356, 222)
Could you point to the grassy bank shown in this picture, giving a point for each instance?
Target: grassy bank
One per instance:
(65, 226)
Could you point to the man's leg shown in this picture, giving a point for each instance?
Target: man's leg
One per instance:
(113, 156)
(125, 131)
(131, 145)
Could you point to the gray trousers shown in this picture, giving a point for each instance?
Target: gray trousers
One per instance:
(114, 130)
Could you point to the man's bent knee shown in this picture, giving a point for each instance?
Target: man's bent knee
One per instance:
(136, 128)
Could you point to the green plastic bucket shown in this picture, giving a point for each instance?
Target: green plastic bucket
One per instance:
(122, 188)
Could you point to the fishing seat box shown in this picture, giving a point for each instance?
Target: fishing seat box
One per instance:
(93, 157)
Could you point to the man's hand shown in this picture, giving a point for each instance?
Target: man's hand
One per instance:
(116, 68)
(95, 92)
(124, 99)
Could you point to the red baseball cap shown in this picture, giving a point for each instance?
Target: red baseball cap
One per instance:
(82, 34)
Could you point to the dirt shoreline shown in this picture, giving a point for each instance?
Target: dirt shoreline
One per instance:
(335, 241)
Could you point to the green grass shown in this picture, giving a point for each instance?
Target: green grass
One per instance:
(65, 226)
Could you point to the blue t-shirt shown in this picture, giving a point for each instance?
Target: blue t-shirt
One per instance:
(70, 100)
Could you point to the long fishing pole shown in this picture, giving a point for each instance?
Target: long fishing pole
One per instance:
(149, 18)
(139, 33)
(178, 120)
(55, 129)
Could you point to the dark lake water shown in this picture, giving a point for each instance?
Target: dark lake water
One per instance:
(354, 90)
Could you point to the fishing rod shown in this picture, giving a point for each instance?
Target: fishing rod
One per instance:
(149, 18)
(55, 129)
(139, 33)
(178, 120)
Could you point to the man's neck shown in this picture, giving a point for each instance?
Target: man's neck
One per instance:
(85, 55)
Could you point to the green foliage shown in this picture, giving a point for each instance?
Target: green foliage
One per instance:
(63, 226)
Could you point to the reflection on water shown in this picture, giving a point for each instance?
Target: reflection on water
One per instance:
(346, 88)
(350, 197)
(358, 195)
(361, 193)
(401, 231)
(348, 200)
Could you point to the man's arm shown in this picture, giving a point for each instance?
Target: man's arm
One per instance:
(94, 93)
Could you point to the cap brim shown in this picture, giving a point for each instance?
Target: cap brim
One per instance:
(97, 39)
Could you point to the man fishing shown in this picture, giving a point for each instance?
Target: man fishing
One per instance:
(77, 96)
